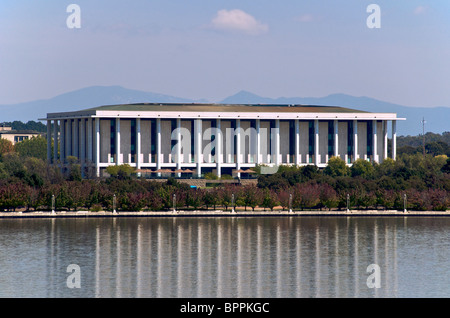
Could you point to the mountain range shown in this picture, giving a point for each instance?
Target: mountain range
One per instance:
(436, 118)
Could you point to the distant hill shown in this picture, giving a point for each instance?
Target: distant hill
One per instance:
(81, 99)
(437, 118)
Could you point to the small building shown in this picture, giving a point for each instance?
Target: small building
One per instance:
(217, 138)
(16, 136)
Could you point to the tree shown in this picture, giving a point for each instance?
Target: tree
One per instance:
(33, 147)
(252, 196)
(194, 198)
(6, 146)
(336, 167)
(270, 199)
(306, 195)
(436, 148)
(362, 168)
(328, 197)
(284, 198)
(14, 165)
(123, 171)
(446, 168)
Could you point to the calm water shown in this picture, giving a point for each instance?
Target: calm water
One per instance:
(225, 257)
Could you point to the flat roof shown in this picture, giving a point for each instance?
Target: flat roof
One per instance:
(19, 132)
(197, 107)
(223, 111)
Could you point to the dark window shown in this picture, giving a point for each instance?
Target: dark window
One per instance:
(113, 137)
(330, 138)
(173, 126)
(350, 138)
(369, 138)
(291, 137)
(133, 134)
(311, 133)
(154, 137)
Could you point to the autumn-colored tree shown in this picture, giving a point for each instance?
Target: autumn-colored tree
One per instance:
(6, 146)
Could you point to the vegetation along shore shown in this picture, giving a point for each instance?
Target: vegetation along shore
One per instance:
(415, 182)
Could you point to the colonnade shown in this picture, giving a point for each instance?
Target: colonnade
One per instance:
(148, 142)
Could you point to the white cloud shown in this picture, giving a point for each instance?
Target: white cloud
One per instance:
(238, 20)
(305, 18)
(420, 10)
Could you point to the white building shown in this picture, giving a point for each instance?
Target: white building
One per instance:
(217, 138)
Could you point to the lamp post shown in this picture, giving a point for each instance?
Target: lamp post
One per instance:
(290, 202)
(348, 202)
(404, 203)
(53, 204)
(174, 202)
(232, 203)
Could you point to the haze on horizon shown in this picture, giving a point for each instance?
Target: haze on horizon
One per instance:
(213, 49)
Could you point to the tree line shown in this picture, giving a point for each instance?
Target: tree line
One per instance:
(431, 143)
(27, 182)
(29, 125)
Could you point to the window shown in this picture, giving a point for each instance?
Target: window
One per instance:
(311, 137)
(19, 138)
(350, 138)
(330, 138)
(369, 138)
(133, 134)
(113, 139)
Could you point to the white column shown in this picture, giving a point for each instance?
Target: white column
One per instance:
(277, 142)
(355, 140)
(82, 150)
(49, 141)
(336, 138)
(55, 141)
(316, 142)
(62, 141)
(90, 140)
(385, 142)
(179, 144)
(219, 148)
(118, 157)
(394, 139)
(375, 142)
(97, 146)
(297, 142)
(138, 143)
(258, 141)
(158, 143)
(238, 146)
(198, 145)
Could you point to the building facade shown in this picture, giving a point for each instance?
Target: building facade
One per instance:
(16, 136)
(217, 138)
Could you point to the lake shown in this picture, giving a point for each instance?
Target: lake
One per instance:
(225, 257)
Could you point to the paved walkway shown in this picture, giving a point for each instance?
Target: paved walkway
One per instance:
(220, 213)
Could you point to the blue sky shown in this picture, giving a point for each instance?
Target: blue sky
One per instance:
(203, 49)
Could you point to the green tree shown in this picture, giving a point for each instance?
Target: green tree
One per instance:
(123, 171)
(270, 199)
(362, 168)
(436, 148)
(446, 168)
(33, 147)
(336, 167)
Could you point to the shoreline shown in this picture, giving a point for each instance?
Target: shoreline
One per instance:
(220, 213)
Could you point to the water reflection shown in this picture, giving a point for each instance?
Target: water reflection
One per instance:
(225, 257)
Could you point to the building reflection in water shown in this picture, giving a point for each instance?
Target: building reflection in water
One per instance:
(244, 257)
(225, 257)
